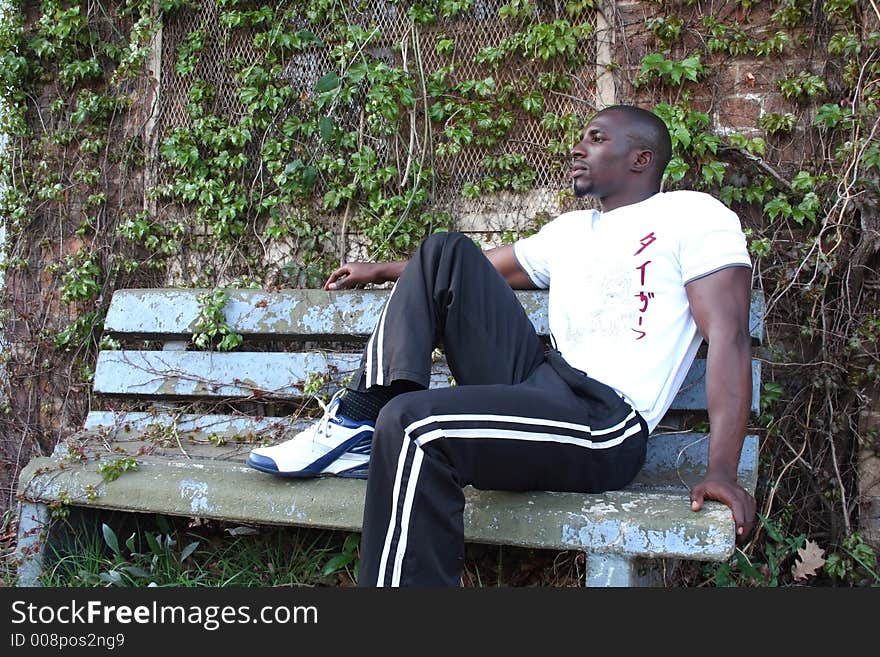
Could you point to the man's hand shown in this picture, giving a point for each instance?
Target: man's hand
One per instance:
(358, 274)
(728, 492)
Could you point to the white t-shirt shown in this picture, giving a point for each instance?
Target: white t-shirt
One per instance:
(618, 306)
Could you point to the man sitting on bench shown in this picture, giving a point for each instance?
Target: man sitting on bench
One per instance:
(633, 287)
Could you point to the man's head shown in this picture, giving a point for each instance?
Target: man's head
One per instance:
(622, 156)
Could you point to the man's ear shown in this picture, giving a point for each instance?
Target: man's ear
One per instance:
(642, 161)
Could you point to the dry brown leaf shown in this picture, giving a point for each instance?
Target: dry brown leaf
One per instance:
(810, 559)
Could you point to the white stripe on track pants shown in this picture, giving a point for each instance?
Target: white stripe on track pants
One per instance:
(517, 420)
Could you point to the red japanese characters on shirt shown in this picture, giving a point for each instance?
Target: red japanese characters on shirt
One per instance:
(643, 296)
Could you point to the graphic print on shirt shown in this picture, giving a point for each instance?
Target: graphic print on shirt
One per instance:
(643, 296)
(606, 281)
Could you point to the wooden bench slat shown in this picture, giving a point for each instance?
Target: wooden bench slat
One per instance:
(235, 375)
(245, 375)
(172, 313)
(674, 461)
(626, 522)
(133, 425)
(286, 313)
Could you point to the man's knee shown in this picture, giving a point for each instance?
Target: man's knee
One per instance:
(451, 240)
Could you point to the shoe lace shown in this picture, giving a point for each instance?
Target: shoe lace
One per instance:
(323, 428)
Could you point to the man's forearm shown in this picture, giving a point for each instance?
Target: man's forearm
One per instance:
(729, 395)
(391, 271)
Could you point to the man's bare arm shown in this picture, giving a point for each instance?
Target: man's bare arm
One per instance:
(505, 262)
(357, 274)
(720, 305)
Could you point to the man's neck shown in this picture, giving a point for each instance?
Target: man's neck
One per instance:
(618, 201)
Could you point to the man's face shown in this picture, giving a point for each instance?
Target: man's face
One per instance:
(601, 161)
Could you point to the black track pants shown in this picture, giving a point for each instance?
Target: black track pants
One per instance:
(518, 419)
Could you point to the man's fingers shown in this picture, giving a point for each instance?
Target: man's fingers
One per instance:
(749, 519)
(337, 279)
(745, 514)
(743, 508)
(331, 281)
(741, 504)
(697, 498)
(743, 529)
(736, 506)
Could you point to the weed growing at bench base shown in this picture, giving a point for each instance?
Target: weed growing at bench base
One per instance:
(118, 550)
(163, 552)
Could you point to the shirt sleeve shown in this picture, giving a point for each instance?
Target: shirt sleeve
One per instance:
(713, 240)
(535, 253)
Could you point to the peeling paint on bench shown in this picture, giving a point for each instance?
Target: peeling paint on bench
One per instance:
(352, 313)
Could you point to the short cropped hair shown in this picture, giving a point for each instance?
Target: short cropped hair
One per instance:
(646, 130)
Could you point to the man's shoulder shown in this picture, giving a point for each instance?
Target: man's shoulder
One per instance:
(691, 199)
(575, 215)
(569, 219)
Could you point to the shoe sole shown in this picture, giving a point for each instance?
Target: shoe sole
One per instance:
(355, 472)
(318, 467)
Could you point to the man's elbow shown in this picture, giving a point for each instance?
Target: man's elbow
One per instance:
(741, 339)
(731, 339)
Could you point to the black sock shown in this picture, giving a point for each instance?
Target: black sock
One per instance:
(364, 406)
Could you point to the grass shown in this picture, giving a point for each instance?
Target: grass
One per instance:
(140, 551)
(195, 554)
(7, 548)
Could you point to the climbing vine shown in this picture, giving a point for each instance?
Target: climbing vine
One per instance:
(271, 170)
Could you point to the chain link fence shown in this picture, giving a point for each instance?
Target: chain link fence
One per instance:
(402, 43)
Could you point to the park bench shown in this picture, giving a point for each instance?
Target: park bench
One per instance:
(188, 419)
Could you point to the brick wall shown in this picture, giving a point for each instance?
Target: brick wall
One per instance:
(738, 90)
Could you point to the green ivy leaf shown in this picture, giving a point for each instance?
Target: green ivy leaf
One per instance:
(713, 172)
(325, 128)
(651, 62)
(757, 146)
(308, 176)
(356, 73)
(309, 38)
(809, 207)
(778, 206)
(828, 116)
(676, 169)
(803, 182)
(683, 135)
(328, 83)
(692, 67)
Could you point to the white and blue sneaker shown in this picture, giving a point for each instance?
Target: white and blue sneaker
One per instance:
(334, 445)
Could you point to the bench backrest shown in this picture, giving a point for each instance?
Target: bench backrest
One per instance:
(294, 316)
